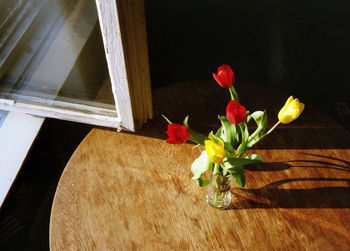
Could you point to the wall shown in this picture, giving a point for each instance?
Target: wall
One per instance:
(300, 46)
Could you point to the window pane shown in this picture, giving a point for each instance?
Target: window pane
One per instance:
(51, 54)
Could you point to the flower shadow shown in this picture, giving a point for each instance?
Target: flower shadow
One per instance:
(297, 192)
(267, 166)
(323, 162)
(274, 196)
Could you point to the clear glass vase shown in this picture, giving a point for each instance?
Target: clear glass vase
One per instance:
(218, 192)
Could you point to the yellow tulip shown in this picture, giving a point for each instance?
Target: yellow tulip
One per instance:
(290, 111)
(216, 152)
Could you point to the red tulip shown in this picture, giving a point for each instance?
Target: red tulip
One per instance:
(225, 76)
(177, 133)
(235, 112)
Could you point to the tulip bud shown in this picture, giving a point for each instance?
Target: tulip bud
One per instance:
(290, 111)
(235, 112)
(177, 133)
(225, 76)
(215, 151)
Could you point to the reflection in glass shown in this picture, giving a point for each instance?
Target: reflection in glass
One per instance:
(51, 52)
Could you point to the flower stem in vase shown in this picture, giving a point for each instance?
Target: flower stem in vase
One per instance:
(218, 193)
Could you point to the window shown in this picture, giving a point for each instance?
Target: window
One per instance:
(55, 63)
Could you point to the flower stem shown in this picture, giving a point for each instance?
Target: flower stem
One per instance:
(216, 169)
(242, 132)
(270, 131)
(272, 128)
(263, 136)
(233, 93)
(224, 171)
(242, 147)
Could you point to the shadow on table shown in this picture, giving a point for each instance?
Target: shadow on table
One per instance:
(297, 192)
(267, 167)
(322, 161)
(272, 196)
(343, 166)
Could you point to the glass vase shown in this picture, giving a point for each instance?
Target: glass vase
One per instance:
(218, 192)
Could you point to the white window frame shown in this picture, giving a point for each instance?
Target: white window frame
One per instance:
(126, 102)
(112, 39)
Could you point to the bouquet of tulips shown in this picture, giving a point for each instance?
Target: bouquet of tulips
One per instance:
(225, 148)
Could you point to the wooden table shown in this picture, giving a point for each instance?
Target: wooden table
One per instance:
(124, 191)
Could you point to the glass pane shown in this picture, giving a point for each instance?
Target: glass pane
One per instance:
(51, 51)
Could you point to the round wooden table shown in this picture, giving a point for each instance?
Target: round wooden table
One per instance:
(123, 191)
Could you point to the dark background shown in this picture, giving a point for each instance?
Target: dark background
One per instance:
(301, 46)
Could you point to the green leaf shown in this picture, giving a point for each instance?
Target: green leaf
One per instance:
(245, 133)
(202, 182)
(261, 121)
(239, 175)
(249, 116)
(233, 162)
(195, 136)
(258, 116)
(229, 150)
(235, 167)
(186, 121)
(240, 150)
(214, 138)
(229, 132)
(218, 132)
(167, 120)
(245, 136)
(253, 156)
(200, 166)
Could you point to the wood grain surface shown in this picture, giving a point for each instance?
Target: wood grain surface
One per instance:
(123, 191)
